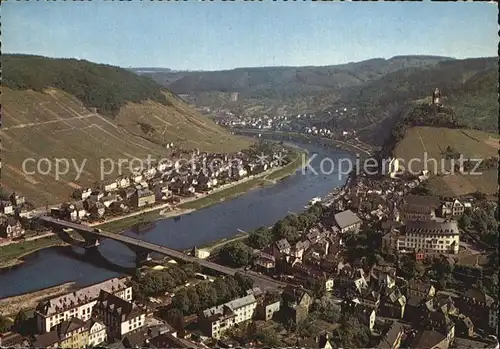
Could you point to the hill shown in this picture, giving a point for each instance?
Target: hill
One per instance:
(297, 89)
(443, 145)
(468, 87)
(61, 119)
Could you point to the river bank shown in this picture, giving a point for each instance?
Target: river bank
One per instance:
(12, 255)
(12, 305)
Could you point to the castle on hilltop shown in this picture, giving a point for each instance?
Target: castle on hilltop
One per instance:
(436, 97)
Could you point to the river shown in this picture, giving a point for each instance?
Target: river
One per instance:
(258, 207)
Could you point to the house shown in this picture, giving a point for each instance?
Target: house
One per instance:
(161, 192)
(415, 309)
(11, 228)
(296, 303)
(82, 193)
(149, 172)
(73, 333)
(81, 212)
(47, 340)
(417, 207)
(392, 338)
(69, 211)
(476, 304)
(143, 198)
(464, 326)
(393, 305)
(266, 309)
(6, 207)
(17, 200)
(118, 207)
(452, 209)
(419, 255)
(441, 322)
(214, 321)
(365, 311)
(430, 339)
(420, 289)
(322, 341)
(96, 195)
(347, 221)
(435, 236)
(110, 185)
(265, 261)
(123, 182)
(96, 209)
(119, 315)
(97, 333)
(297, 251)
(137, 177)
(108, 200)
(79, 303)
(281, 247)
(13, 340)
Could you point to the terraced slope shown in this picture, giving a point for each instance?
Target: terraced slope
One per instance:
(45, 124)
(433, 141)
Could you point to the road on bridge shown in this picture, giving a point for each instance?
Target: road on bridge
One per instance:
(263, 281)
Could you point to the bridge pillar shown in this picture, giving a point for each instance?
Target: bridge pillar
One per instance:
(142, 257)
(91, 241)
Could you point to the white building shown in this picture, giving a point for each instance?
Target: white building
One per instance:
(77, 304)
(393, 167)
(97, 333)
(432, 236)
(216, 320)
(119, 315)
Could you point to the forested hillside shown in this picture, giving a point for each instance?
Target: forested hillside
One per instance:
(100, 86)
(297, 89)
(53, 109)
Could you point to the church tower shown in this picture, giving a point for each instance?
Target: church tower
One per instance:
(436, 97)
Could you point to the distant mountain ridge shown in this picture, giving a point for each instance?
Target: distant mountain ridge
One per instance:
(285, 82)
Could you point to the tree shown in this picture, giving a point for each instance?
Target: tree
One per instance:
(465, 221)
(244, 281)
(235, 254)
(21, 322)
(5, 324)
(194, 300)
(260, 238)
(328, 310)
(319, 288)
(176, 319)
(182, 302)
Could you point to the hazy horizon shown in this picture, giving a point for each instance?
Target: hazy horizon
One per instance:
(195, 36)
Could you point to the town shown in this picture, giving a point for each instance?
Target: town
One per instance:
(162, 186)
(378, 263)
(284, 175)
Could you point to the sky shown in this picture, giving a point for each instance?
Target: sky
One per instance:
(225, 35)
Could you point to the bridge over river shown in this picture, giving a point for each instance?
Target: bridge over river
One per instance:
(92, 236)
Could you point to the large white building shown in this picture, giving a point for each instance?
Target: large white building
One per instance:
(216, 320)
(77, 304)
(432, 236)
(119, 315)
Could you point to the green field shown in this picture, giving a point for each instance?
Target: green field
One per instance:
(433, 141)
(10, 254)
